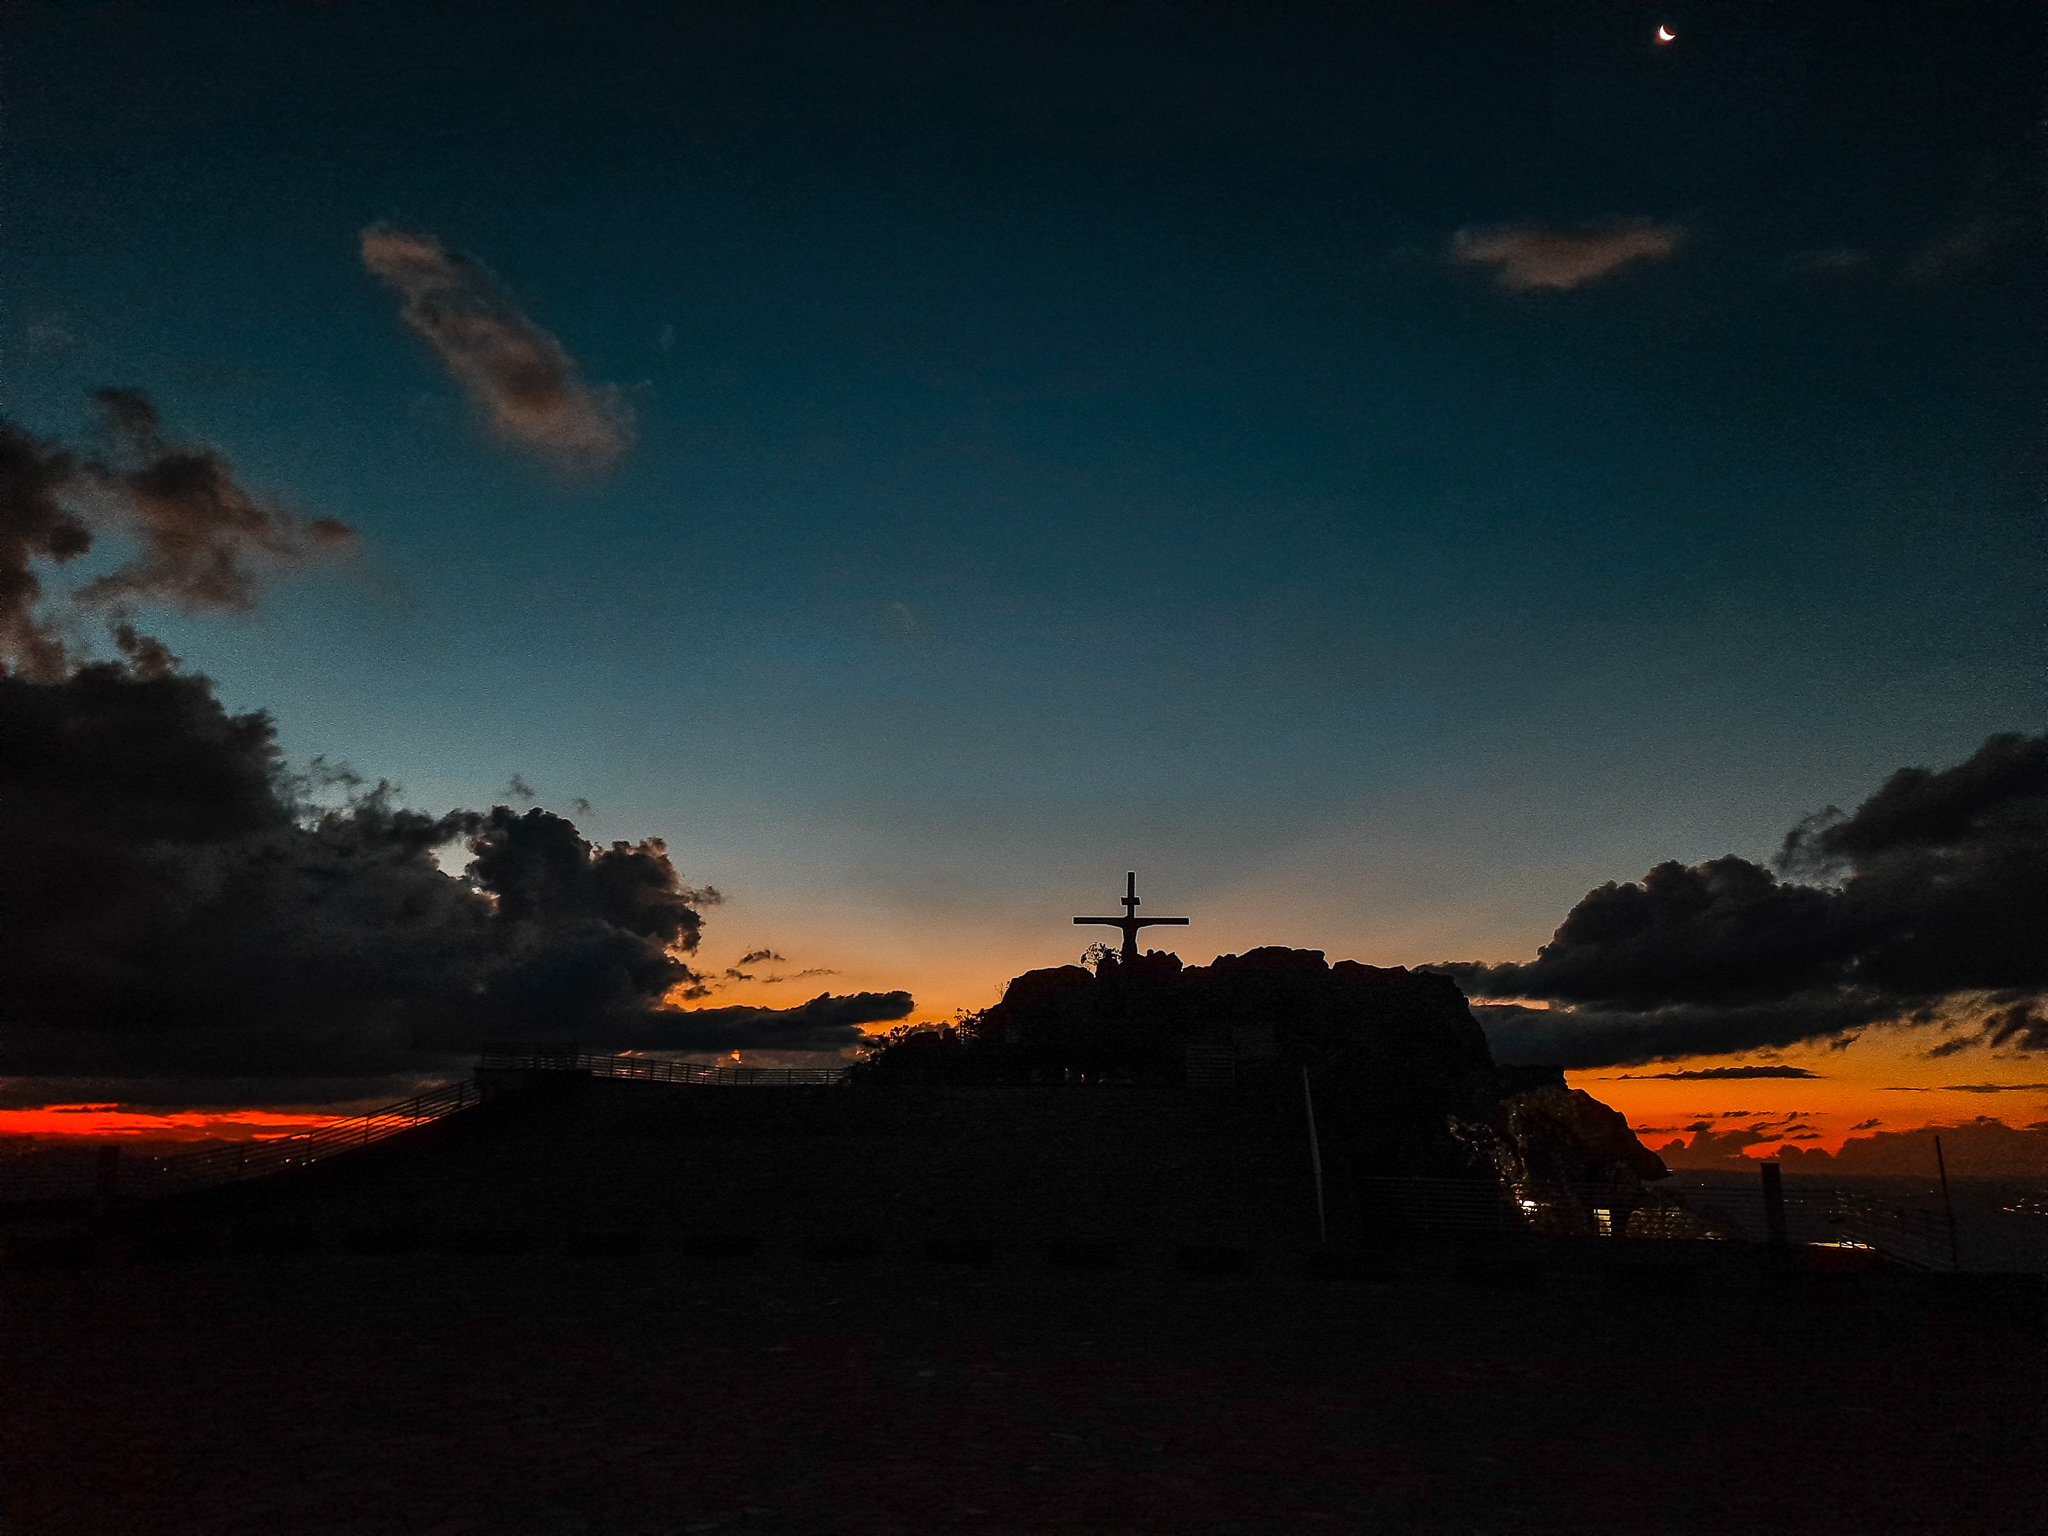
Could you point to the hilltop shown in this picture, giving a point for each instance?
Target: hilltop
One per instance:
(1401, 1074)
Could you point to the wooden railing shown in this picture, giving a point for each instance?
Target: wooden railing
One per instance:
(250, 1159)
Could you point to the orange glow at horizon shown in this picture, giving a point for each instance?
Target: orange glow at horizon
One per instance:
(106, 1121)
(1883, 1081)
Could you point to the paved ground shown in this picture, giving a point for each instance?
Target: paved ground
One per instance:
(439, 1393)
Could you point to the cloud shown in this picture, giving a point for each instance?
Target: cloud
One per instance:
(1973, 1088)
(734, 972)
(825, 1023)
(1996, 217)
(186, 926)
(517, 375)
(200, 529)
(1711, 1147)
(38, 521)
(205, 540)
(1714, 1073)
(1589, 1034)
(177, 910)
(1530, 256)
(1925, 905)
(1981, 1148)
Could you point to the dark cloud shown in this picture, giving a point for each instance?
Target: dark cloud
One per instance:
(1589, 1035)
(520, 377)
(2023, 1025)
(1709, 1146)
(1927, 903)
(176, 912)
(38, 521)
(519, 789)
(1972, 1088)
(1953, 1046)
(825, 1023)
(1714, 1073)
(734, 972)
(205, 540)
(769, 956)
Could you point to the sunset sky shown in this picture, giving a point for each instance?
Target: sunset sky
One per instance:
(1379, 472)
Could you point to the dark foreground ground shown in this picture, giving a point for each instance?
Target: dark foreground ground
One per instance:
(435, 1393)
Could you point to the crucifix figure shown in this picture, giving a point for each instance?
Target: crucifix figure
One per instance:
(1130, 922)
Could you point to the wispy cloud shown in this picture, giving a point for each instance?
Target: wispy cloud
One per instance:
(520, 377)
(1529, 256)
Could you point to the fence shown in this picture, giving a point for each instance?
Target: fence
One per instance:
(1909, 1235)
(248, 1160)
(73, 1174)
(645, 1070)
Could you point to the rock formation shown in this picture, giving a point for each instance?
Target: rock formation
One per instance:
(1403, 1080)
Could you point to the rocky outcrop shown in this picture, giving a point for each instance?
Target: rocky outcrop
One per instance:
(1559, 1135)
(1402, 1077)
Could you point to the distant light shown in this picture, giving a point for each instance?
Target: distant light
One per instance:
(1666, 35)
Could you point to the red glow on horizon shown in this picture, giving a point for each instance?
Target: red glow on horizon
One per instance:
(103, 1121)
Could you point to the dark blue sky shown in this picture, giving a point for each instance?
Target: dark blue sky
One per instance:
(1066, 439)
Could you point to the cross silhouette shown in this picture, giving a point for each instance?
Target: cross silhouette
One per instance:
(1130, 922)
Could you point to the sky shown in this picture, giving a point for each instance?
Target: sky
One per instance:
(1381, 473)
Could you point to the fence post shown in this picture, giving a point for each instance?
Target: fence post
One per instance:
(1948, 1209)
(1774, 1203)
(1315, 1158)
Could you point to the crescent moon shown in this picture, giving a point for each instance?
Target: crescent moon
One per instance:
(1666, 35)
